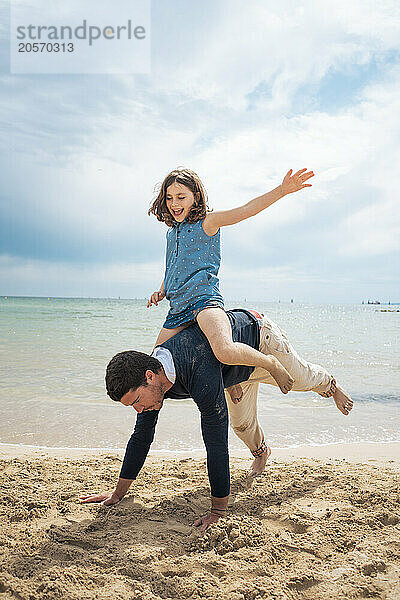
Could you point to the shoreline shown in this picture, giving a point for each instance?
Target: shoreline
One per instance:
(358, 452)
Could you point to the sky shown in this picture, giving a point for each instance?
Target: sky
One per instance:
(240, 91)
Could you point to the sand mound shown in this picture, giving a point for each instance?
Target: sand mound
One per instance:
(306, 529)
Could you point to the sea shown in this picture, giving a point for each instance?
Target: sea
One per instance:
(54, 352)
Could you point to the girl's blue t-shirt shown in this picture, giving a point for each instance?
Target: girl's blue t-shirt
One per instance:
(192, 263)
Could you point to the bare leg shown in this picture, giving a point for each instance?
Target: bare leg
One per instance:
(215, 325)
(166, 334)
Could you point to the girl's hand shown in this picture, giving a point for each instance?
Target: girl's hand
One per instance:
(294, 183)
(155, 298)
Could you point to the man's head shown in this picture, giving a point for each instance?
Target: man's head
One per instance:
(136, 379)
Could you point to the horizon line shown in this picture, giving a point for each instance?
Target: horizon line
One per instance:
(278, 301)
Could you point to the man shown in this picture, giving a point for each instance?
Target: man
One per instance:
(183, 367)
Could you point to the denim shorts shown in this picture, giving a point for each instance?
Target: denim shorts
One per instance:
(188, 316)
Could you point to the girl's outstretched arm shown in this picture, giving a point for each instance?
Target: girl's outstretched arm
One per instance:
(291, 183)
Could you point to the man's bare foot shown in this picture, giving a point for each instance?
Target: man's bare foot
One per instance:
(342, 400)
(258, 465)
(236, 393)
(205, 521)
(279, 373)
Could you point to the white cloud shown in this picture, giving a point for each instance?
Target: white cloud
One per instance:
(103, 144)
(282, 43)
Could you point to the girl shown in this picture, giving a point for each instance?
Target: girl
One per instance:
(192, 263)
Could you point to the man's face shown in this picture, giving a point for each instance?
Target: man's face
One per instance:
(146, 397)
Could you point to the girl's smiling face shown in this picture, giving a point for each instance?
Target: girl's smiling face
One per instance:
(179, 200)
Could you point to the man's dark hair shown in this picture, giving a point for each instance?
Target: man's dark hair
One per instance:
(126, 371)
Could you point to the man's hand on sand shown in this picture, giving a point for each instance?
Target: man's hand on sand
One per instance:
(207, 520)
(106, 499)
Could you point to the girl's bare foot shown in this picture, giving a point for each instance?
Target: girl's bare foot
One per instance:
(342, 400)
(258, 465)
(281, 376)
(236, 393)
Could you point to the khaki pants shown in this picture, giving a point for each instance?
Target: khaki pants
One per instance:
(307, 376)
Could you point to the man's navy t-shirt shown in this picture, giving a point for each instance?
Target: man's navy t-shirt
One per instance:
(199, 375)
(197, 369)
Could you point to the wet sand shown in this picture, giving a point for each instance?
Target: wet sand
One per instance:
(322, 522)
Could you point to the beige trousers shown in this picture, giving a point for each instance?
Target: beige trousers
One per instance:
(307, 376)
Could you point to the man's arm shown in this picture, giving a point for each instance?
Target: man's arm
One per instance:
(139, 444)
(136, 452)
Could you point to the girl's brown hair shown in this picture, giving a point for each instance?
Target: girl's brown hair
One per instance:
(192, 181)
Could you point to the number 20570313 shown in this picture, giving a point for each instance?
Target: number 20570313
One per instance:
(45, 47)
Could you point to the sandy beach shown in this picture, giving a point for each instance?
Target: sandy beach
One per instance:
(320, 523)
